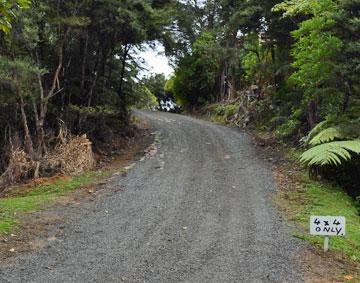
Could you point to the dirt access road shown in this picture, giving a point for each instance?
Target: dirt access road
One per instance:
(199, 210)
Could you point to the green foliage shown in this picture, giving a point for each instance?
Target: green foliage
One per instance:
(18, 78)
(332, 153)
(99, 109)
(156, 84)
(144, 98)
(9, 10)
(256, 60)
(148, 91)
(287, 129)
(317, 129)
(317, 47)
(326, 135)
(333, 141)
(195, 78)
(312, 7)
(38, 197)
(221, 112)
(169, 86)
(343, 131)
(323, 199)
(231, 110)
(250, 64)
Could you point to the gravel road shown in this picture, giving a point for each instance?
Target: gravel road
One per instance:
(199, 210)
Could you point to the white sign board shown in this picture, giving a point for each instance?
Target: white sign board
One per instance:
(327, 225)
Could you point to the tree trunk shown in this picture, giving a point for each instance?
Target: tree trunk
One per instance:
(83, 64)
(347, 96)
(312, 115)
(123, 109)
(40, 116)
(224, 82)
(29, 148)
(95, 78)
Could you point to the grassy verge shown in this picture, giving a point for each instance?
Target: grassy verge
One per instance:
(300, 197)
(219, 112)
(24, 200)
(317, 198)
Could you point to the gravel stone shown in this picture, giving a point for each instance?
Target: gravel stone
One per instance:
(233, 230)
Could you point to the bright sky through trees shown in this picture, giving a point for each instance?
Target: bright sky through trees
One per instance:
(155, 61)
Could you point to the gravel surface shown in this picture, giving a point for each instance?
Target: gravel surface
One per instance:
(199, 210)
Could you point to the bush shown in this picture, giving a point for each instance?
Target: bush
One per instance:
(288, 129)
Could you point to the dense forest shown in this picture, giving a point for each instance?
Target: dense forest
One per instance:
(290, 67)
(67, 76)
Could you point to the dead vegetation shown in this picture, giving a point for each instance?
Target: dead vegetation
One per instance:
(69, 158)
(72, 155)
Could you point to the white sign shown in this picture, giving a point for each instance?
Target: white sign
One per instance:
(327, 225)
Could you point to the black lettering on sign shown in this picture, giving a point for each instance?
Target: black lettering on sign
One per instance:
(326, 223)
(317, 222)
(326, 229)
(317, 229)
(336, 222)
(338, 231)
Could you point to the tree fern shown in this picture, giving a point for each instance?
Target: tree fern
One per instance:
(316, 130)
(326, 135)
(332, 153)
(344, 131)
(333, 141)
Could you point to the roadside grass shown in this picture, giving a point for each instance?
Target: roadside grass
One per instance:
(25, 200)
(325, 199)
(220, 113)
(317, 197)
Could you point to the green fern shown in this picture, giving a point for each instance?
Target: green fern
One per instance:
(332, 153)
(317, 129)
(345, 131)
(327, 135)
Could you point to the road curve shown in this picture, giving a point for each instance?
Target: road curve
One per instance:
(200, 210)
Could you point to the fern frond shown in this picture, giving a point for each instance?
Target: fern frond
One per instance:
(326, 135)
(332, 153)
(345, 131)
(318, 128)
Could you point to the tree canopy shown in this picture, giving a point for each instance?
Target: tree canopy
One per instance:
(286, 65)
